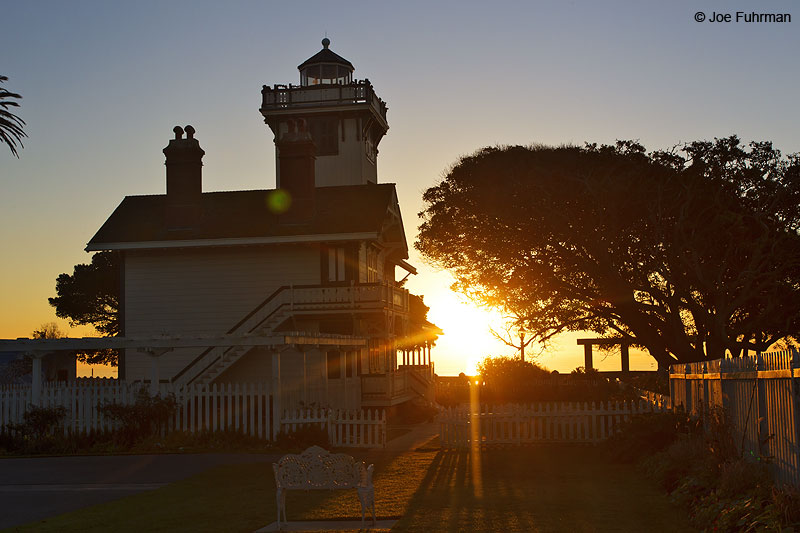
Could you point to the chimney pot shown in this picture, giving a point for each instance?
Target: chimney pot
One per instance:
(184, 161)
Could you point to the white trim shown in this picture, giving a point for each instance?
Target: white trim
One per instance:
(244, 241)
(96, 343)
(407, 267)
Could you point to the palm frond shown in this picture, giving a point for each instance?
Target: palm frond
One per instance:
(11, 132)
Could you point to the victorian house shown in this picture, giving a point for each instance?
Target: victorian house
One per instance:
(312, 266)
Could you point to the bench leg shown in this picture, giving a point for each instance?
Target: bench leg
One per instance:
(280, 496)
(367, 498)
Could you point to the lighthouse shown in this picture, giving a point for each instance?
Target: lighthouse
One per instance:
(343, 117)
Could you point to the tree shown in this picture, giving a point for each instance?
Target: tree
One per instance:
(48, 330)
(90, 296)
(514, 335)
(14, 371)
(11, 132)
(688, 252)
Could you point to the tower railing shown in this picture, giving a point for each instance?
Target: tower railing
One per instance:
(291, 96)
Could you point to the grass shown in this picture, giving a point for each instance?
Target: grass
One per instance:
(536, 490)
(520, 489)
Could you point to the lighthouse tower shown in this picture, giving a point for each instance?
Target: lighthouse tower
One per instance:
(344, 118)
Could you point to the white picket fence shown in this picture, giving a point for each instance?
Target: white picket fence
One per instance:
(238, 407)
(759, 397)
(463, 427)
(244, 408)
(351, 429)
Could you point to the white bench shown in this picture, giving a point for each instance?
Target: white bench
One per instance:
(317, 469)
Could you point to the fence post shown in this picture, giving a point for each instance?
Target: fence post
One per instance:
(276, 394)
(795, 388)
(761, 413)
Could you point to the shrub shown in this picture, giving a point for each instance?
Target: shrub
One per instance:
(703, 473)
(145, 418)
(40, 431)
(510, 380)
(647, 434)
(304, 436)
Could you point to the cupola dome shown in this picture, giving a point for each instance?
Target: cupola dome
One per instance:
(325, 67)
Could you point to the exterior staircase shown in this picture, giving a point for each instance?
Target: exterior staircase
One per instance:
(282, 304)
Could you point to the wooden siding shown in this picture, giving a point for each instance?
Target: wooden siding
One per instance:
(351, 166)
(203, 292)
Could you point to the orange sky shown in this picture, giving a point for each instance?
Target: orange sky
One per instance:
(105, 82)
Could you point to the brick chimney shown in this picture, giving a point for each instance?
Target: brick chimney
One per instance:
(184, 179)
(296, 161)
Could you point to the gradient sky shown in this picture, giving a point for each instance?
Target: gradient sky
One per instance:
(105, 82)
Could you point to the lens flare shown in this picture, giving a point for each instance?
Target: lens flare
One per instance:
(279, 201)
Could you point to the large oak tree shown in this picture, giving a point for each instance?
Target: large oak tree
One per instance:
(690, 252)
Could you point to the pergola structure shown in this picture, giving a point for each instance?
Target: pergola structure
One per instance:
(587, 351)
(158, 346)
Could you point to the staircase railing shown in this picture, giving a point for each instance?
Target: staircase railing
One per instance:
(297, 298)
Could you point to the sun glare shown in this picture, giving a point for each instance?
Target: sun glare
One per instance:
(467, 339)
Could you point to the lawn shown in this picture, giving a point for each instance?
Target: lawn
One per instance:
(517, 489)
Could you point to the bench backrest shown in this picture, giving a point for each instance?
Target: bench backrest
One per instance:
(316, 468)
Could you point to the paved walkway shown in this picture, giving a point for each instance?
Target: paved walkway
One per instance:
(34, 488)
(420, 436)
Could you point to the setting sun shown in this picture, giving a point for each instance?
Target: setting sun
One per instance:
(467, 338)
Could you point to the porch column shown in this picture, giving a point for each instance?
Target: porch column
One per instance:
(305, 379)
(36, 376)
(343, 374)
(155, 378)
(626, 362)
(587, 356)
(276, 393)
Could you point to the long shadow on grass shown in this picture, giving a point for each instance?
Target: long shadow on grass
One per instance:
(535, 489)
(464, 492)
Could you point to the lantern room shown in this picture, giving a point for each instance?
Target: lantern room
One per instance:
(325, 68)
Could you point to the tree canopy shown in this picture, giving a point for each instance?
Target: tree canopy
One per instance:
(90, 296)
(11, 132)
(688, 252)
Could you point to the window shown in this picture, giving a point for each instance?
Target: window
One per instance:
(338, 264)
(334, 365)
(372, 265)
(351, 359)
(325, 132)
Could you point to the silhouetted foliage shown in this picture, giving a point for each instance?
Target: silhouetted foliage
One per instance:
(699, 465)
(688, 253)
(302, 437)
(146, 417)
(11, 132)
(48, 330)
(90, 296)
(510, 380)
(41, 431)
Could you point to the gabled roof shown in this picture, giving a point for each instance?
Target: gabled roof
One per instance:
(350, 209)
